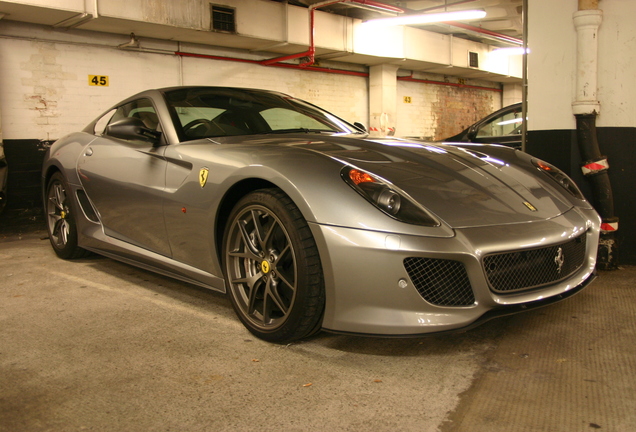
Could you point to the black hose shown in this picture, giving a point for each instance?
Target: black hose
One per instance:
(602, 196)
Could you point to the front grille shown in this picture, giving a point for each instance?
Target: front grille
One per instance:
(533, 268)
(440, 282)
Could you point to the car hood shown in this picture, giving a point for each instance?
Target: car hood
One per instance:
(463, 187)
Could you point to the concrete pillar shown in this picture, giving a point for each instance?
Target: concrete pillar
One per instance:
(512, 93)
(382, 99)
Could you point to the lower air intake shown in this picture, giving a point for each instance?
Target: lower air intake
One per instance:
(440, 282)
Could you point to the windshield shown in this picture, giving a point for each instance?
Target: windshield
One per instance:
(208, 112)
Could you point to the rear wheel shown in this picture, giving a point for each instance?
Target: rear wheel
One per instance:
(272, 267)
(60, 220)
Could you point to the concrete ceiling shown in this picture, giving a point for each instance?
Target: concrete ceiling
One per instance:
(502, 16)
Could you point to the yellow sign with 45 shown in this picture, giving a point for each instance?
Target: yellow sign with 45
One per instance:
(98, 80)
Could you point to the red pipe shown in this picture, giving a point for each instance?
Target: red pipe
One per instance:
(492, 34)
(423, 81)
(328, 70)
(311, 52)
(321, 69)
(281, 65)
(212, 57)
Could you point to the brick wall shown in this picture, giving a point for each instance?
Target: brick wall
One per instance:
(434, 111)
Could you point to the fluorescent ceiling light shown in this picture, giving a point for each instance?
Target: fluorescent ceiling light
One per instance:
(510, 51)
(426, 18)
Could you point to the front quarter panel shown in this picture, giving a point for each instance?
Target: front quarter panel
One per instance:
(64, 154)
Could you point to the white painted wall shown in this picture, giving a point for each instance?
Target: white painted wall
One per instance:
(45, 94)
(552, 66)
(44, 91)
(415, 116)
(617, 64)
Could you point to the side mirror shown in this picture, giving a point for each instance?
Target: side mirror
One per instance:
(132, 128)
(361, 127)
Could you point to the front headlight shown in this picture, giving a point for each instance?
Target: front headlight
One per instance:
(560, 177)
(386, 197)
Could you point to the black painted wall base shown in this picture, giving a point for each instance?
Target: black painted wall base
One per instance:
(25, 158)
(619, 145)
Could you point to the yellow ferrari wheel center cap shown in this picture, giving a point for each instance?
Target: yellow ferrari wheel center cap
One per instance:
(265, 267)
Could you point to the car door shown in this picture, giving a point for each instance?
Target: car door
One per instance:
(125, 180)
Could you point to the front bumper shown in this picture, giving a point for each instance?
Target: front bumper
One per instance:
(369, 291)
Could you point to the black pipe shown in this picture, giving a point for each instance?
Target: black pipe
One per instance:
(602, 196)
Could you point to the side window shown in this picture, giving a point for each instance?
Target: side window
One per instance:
(102, 122)
(507, 124)
(141, 109)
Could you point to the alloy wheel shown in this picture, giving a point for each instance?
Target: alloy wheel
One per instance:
(58, 214)
(262, 267)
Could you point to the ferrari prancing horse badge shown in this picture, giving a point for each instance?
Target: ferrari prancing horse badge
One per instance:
(203, 176)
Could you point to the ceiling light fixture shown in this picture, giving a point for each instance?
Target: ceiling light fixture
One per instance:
(510, 51)
(426, 18)
(74, 21)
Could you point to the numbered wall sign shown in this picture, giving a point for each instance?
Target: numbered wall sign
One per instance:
(407, 99)
(98, 80)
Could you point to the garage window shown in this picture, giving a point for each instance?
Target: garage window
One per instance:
(223, 19)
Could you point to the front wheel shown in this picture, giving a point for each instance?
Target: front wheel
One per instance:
(272, 268)
(60, 220)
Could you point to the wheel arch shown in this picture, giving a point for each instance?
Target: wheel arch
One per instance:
(229, 200)
(46, 177)
(245, 186)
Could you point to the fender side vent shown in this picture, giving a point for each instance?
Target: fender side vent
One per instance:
(87, 207)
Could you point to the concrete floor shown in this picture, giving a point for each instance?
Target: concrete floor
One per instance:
(99, 345)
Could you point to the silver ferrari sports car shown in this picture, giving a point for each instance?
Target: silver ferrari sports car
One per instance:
(309, 223)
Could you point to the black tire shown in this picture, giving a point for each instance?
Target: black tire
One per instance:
(60, 221)
(272, 268)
